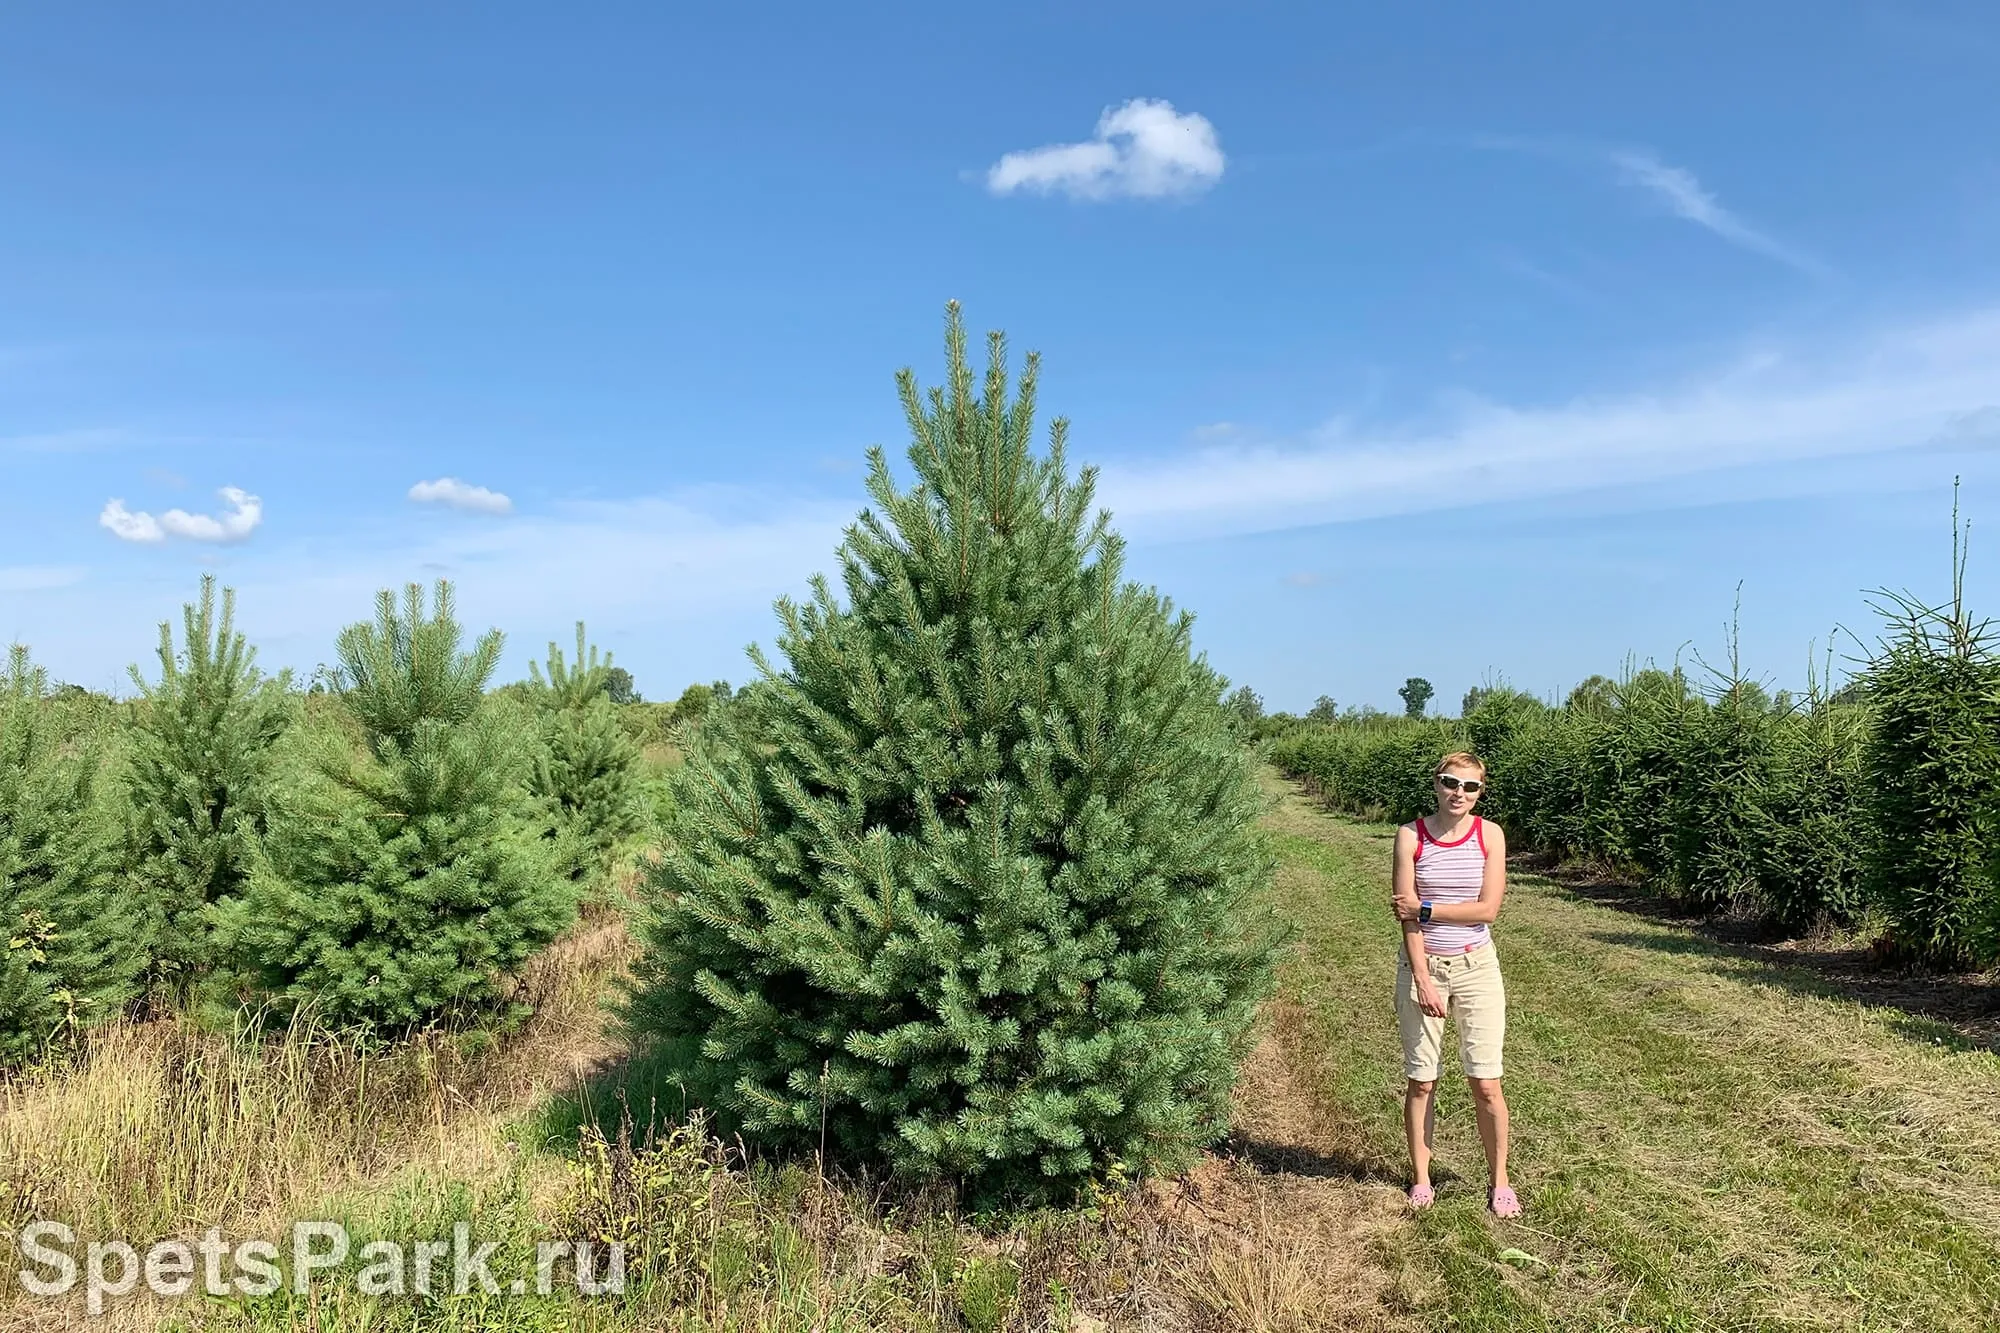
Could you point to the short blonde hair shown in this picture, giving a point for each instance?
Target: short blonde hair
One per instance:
(1460, 759)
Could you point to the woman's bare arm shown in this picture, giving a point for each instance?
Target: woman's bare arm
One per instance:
(1403, 875)
(1403, 888)
(1428, 998)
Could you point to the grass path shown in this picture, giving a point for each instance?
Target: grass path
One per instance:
(1701, 1144)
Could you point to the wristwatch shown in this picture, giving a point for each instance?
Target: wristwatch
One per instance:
(1423, 912)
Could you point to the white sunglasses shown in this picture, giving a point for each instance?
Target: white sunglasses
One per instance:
(1450, 783)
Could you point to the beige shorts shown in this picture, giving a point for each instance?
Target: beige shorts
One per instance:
(1474, 997)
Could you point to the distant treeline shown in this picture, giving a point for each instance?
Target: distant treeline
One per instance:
(1876, 800)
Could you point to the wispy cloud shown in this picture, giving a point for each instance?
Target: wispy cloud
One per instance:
(1143, 149)
(1687, 198)
(83, 441)
(456, 494)
(244, 513)
(39, 578)
(719, 551)
(1899, 390)
(700, 567)
(1679, 190)
(1568, 288)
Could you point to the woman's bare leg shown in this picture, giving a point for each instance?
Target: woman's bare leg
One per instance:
(1492, 1108)
(1419, 1123)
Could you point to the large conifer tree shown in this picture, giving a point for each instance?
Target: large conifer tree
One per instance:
(75, 940)
(403, 882)
(200, 759)
(982, 891)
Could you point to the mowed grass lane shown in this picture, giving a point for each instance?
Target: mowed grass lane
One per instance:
(1701, 1141)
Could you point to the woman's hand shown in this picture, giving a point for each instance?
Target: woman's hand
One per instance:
(1405, 905)
(1429, 1000)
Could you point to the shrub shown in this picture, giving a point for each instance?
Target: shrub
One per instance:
(980, 897)
(1494, 726)
(694, 703)
(1743, 800)
(618, 687)
(76, 942)
(402, 882)
(1723, 757)
(1928, 765)
(647, 723)
(1377, 768)
(1814, 818)
(1246, 709)
(1636, 770)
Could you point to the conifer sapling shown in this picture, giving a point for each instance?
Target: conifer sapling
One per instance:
(403, 883)
(200, 761)
(587, 769)
(75, 941)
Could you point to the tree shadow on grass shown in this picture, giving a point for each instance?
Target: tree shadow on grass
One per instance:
(1960, 1012)
(1957, 1011)
(637, 1094)
(1319, 1163)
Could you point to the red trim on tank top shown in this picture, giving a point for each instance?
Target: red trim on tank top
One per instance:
(1423, 832)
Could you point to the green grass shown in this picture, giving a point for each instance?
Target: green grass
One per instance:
(1702, 1141)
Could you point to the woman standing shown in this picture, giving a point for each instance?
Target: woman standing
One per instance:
(1449, 876)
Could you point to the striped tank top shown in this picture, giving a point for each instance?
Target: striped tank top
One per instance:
(1451, 872)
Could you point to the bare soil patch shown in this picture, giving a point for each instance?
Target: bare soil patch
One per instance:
(1287, 1220)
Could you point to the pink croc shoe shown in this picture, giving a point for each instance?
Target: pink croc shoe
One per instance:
(1422, 1196)
(1504, 1203)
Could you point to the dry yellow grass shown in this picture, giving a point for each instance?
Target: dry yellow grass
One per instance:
(162, 1129)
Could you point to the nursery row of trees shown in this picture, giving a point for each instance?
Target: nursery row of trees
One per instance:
(385, 853)
(1877, 798)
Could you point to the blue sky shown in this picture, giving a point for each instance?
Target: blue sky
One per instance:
(1429, 340)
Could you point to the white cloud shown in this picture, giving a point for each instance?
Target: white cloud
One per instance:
(622, 566)
(676, 585)
(1906, 389)
(1685, 196)
(688, 576)
(245, 512)
(128, 526)
(457, 494)
(1143, 149)
(39, 578)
